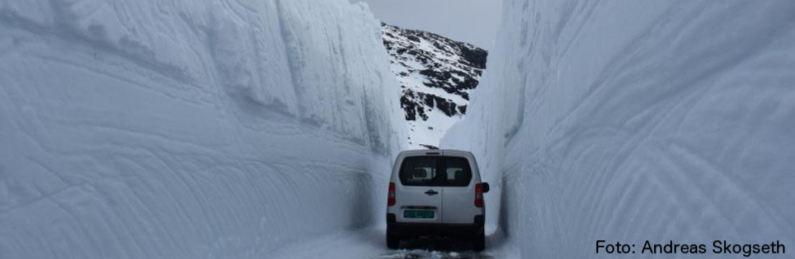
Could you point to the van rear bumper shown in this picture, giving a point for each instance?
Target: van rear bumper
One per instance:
(403, 229)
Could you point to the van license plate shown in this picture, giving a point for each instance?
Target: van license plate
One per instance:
(418, 214)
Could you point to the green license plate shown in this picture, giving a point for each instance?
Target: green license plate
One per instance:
(418, 214)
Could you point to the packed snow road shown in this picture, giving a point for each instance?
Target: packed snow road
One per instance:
(369, 243)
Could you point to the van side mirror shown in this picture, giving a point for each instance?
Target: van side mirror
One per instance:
(485, 187)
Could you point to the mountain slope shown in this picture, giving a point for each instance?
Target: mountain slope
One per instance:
(436, 76)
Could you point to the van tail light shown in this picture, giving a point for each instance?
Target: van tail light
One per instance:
(478, 195)
(391, 196)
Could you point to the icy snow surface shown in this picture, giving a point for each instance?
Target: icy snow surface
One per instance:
(638, 120)
(369, 243)
(190, 129)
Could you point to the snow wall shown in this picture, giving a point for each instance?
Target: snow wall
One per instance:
(629, 121)
(189, 129)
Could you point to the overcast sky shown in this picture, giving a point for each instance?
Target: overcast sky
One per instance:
(473, 21)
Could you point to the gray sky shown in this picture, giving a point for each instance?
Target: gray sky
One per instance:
(473, 21)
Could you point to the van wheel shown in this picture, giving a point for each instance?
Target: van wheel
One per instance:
(392, 241)
(479, 242)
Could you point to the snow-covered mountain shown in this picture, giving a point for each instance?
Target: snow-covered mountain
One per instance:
(436, 75)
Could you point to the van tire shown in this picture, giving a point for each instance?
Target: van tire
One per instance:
(479, 242)
(392, 241)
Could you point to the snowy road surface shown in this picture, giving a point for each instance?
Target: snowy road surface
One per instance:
(369, 243)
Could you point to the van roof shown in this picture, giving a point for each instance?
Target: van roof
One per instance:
(442, 152)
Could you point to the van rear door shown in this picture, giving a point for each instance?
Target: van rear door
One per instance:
(419, 194)
(459, 191)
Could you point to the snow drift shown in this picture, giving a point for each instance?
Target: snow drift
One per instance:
(189, 129)
(631, 121)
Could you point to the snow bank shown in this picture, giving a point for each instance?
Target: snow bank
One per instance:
(189, 129)
(634, 120)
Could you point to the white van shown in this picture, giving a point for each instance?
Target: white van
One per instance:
(436, 193)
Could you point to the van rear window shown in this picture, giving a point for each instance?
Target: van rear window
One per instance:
(435, 171)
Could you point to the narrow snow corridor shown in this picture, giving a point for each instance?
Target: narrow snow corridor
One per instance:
(268, 128)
